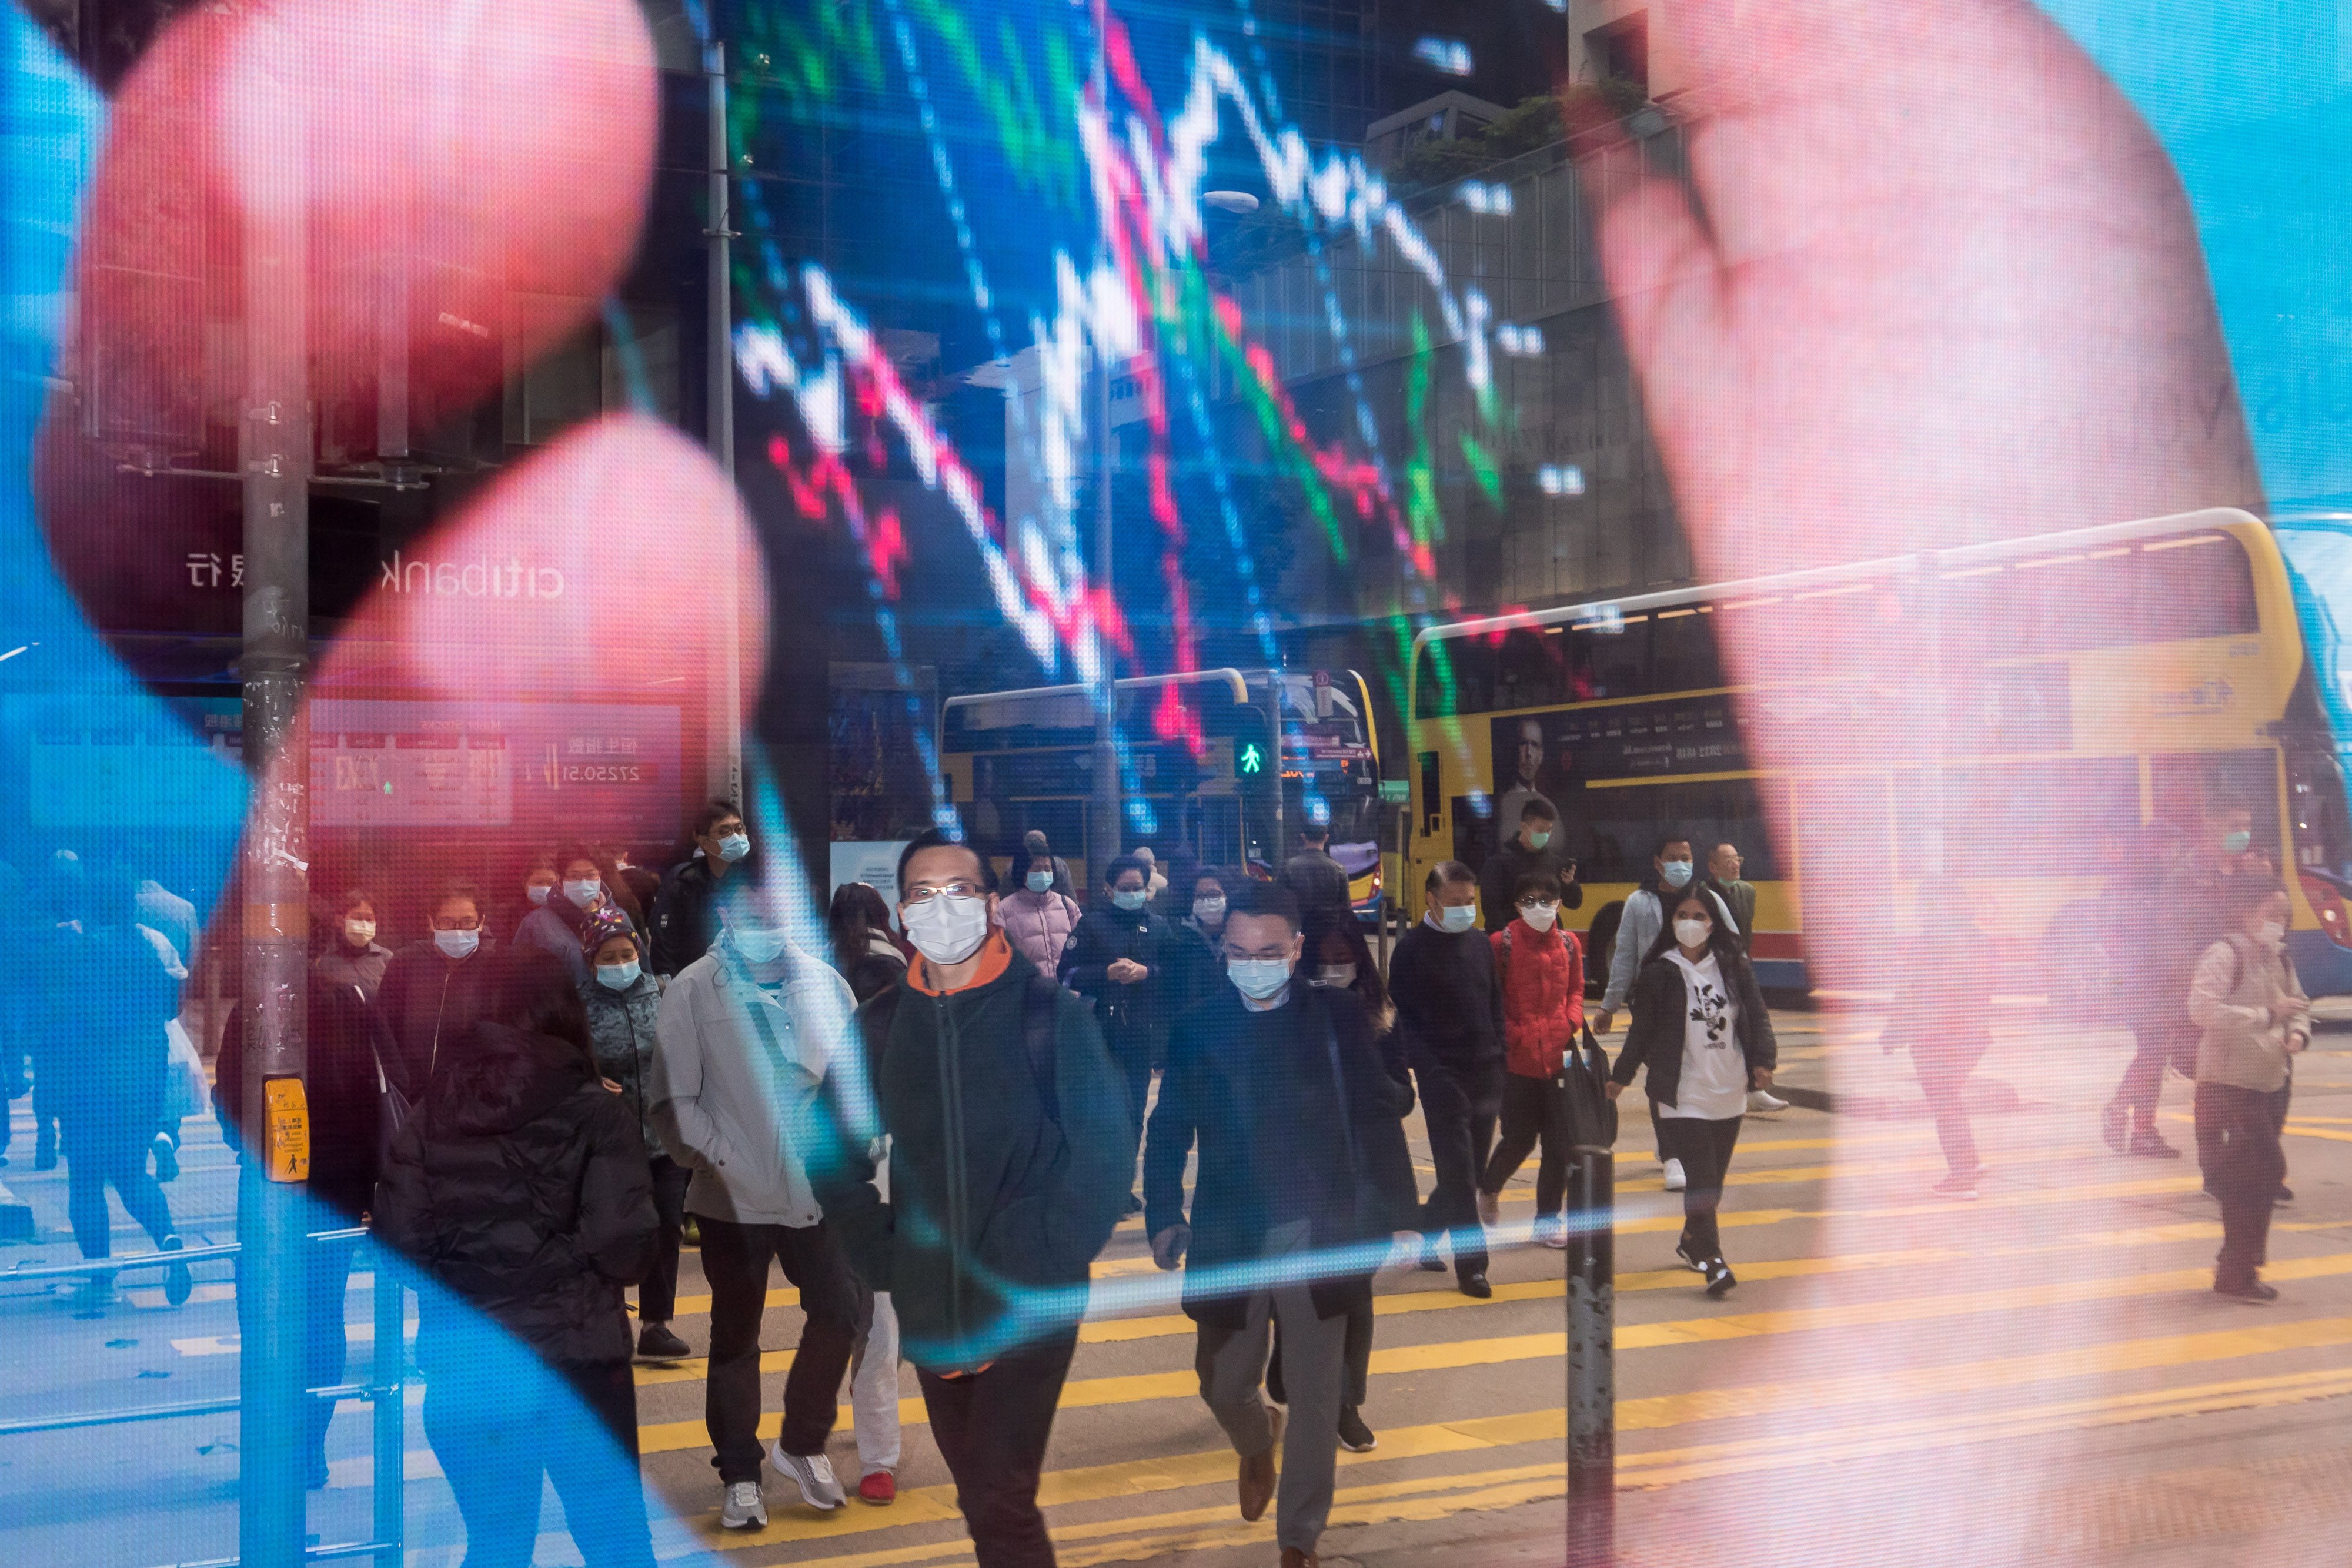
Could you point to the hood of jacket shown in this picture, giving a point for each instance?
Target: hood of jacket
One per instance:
(505, 1079)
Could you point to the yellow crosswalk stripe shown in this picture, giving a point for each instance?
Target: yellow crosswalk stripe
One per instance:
(786, 1296)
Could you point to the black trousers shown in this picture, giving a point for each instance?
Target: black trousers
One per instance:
(1458, 1105)
(2160, 1044)
(735, 1261)
(992, 1427)
(1531, 1114)
(657, 1297)
(1704, 1149)
(495, 1436)
(102, 1150)
(2238, 1145)
(1943, 1071)
(319, 1299)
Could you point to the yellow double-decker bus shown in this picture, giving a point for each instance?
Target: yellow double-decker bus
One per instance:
(2125, 680)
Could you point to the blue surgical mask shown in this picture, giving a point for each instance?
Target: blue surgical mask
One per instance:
(1538, 840)
(1675, 873)
(457, 944)
(734, 847)
(2235, 844)
(538, 892)
(1130, 899)
(1456, 917)
(757, 943)
(583, 894)
(618, 976)
(1258, 978)
(1041, 881)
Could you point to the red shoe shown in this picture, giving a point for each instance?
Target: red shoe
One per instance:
(879, 1488)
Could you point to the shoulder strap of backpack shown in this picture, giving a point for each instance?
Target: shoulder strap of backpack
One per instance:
(1038, 1003)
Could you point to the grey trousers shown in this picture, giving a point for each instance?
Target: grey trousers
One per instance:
(1231, 1366)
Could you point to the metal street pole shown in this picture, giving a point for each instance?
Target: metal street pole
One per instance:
(724, 726)
(274, 442)
(1592, 1359)
(1103, 840)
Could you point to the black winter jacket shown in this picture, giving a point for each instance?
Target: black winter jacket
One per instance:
(1316, 882)
(1656, 1036)
(988, 1194)
(621, 1028)
(1449, 1000)
(1216, 1074)
(520, 1182)
(430, 1003)
(342, 1038)
(1498, 880)
(1134, 1018)
(685, 916)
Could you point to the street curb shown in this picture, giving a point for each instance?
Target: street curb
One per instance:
(15, 1217)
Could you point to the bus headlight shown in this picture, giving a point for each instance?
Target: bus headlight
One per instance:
(2328, 902)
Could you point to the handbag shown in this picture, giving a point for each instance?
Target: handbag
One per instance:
(1587, 1115)
(186, 1092)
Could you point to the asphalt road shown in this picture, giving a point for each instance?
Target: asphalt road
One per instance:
(2041, 1376)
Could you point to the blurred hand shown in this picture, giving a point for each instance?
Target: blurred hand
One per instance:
(1167, 1247)
(1615, 1089)
(1761, 1078)
(1126, 971)
(1404, 1250)
(1603, 1020)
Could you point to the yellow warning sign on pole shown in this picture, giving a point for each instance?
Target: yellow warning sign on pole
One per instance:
(286, 1142)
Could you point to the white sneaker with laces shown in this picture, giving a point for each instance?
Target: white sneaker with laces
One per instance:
(1675, 1180)
(744, 1509)
(1765, 1100)
(813, 1473)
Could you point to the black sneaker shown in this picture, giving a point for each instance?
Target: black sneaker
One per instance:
(655, 1343)
(2285, 1194)
(178, 1283)
(1719, 1278)
(1431, 1263)
(1691, 1261)
(1134, 1204)
(1475, 1286)
(1354, 1436)
(2113, 1122)
(2254, 1292)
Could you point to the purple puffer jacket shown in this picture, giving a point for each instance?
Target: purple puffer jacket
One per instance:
(1039, 925)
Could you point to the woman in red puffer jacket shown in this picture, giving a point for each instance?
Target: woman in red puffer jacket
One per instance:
(1542, 971)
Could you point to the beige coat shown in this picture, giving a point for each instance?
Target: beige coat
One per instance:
(2247, 1001)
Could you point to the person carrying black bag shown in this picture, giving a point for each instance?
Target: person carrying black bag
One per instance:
(1541, 968)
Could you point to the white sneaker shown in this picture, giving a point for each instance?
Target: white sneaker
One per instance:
(743, 1508)
(1490, 1210)
(1552, 1231)
(813, 1473)
(1675, 1180)
(1765, 1100)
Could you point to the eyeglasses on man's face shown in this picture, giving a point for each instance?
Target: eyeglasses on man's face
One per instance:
(958, 891)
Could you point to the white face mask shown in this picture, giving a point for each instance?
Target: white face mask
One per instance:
(2271, 933)
(757, 944)
(582, 894)
(359, 932)
(946, 930)
(1539, 916)
(1208, 911)
(457, 944)
(1258, 978)
(537, 893)
(1692, 931)
(1338, 977)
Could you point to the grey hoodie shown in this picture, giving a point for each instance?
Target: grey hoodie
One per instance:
(730, 1098)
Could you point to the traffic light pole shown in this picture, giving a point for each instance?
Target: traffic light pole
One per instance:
(273, 444)
(725, 704)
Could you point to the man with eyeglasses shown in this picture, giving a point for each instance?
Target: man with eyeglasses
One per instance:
(433, 990)
(743, 1044)
(1010, 1153)
(1302, 1162)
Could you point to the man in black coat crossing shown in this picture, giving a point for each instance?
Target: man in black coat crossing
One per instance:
(1302, 1159)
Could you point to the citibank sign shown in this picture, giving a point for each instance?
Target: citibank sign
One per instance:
(484, 579)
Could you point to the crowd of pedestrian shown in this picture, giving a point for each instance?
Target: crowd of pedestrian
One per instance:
(930, 1121)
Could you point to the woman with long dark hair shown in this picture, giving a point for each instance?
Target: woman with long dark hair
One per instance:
(865, 952)
(1701, 1029)
(520, 1185)
(587, 884)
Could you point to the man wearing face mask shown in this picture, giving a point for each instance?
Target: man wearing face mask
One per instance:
(1530, 851)
(1449, 1007)
(1009, 1148)
(745, 1040)
(1119, 959)
(1301, 1150)
(434, 990)
(685, 914)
